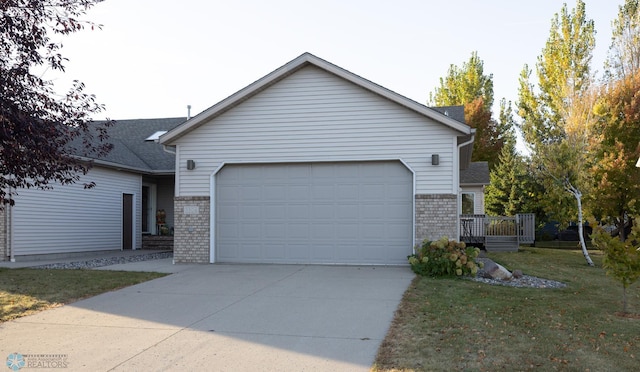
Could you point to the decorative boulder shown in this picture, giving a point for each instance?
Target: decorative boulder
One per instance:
(517, 273)
(493, 270)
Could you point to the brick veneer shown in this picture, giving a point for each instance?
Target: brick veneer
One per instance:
(436, 216)
(191, 239)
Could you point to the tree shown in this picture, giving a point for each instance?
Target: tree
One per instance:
(563, 72)
(469, 86)
(621, 258)
(553, 114)
(44, 138)
(513, 189)
(624, 52)
(616, 149)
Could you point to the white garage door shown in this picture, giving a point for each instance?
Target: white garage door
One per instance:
(348, 213)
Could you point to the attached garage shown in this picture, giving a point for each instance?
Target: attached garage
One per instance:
(329, 213)
(312, 164)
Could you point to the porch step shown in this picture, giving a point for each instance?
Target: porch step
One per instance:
(157, 242)
(501, 243)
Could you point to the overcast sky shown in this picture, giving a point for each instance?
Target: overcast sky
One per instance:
(152, 58)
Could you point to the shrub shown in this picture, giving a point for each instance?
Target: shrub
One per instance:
(444, 257)
(621, 259)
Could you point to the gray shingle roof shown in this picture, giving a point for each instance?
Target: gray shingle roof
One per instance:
(454, 112)
(476, 174)
(131, 150)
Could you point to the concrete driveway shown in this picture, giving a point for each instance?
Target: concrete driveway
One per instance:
(221, 318)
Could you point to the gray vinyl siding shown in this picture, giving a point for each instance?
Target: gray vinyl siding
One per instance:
(314, 116)
(71, 219)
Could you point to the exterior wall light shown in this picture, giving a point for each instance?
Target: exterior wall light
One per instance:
(435, 159)
(191, 164)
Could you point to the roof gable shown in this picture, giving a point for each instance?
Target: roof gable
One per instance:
(302, 61)
(476, 174)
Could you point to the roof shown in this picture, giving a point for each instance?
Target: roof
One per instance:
(131, 150)
(302, 61)
(454, 112)
(476, 174)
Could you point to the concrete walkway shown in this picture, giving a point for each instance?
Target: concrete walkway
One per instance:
(221, 318)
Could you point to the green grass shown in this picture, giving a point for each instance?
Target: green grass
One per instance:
(456, 324)
(26, 291)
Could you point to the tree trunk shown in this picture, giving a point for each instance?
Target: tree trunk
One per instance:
(578, 196)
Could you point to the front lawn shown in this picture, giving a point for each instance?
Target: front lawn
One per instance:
(26, 291)
(457, 324)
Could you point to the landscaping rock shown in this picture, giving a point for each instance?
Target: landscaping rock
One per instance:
(517, 273)
(493, 270)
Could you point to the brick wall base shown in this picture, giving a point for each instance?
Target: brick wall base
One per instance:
(191, 236)
(436, 216)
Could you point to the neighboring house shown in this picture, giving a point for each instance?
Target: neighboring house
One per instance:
(473, 180)
(314, 164)
(133, 181)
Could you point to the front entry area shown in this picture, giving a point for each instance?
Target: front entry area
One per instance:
(326, 213)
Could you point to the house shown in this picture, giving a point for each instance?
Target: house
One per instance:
(310, 164)
(315, 164)
(133, 182)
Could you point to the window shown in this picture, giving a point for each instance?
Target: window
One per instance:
(468, 203)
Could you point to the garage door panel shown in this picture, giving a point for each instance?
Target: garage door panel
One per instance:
(396, 230)
(251, 230)
(348, 231)
(275, 211)
(322, 252)
(373, 230)
(275, 192)
(271, 251)
(322, 231)
(298, 211)
(298, 193)
(227, 193)
(323, 192)
(275, 230)
(323, 211)
(250, 212)
(297, 231)
(229, 230)
(353, 213)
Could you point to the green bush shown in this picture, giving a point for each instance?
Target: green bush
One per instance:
(621, 259)
(444, 257)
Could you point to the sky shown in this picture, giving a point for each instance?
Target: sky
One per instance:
(152, 58)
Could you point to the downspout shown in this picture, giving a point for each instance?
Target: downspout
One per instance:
(473, 137)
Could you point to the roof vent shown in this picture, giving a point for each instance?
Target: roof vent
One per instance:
(156, 135)
(446, 112)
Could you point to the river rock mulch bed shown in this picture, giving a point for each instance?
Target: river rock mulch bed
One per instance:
(525, 281)
(99, 262)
